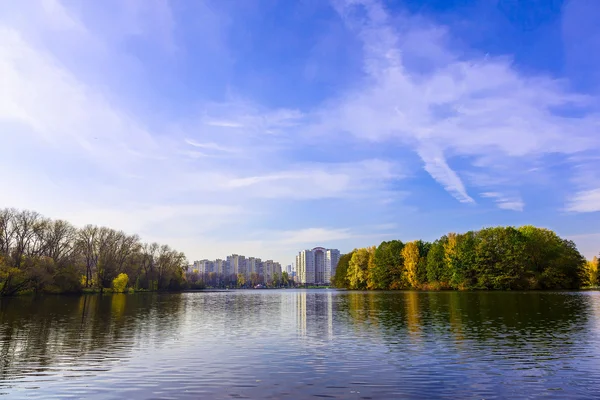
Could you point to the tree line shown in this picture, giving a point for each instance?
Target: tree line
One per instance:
(38, 254)
(503, 258)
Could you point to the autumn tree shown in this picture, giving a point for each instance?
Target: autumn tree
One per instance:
(120, 283)
(241, 280)
(358, 268)
(414, 255)
(591, 273)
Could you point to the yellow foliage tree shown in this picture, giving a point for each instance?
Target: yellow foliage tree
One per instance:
(358, 267)
(120, 283)
(591, 272)
(241, 280)
(411, 256)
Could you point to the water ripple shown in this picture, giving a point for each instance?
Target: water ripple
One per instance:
(301, 344)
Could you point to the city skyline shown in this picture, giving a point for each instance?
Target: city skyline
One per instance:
(237, 264)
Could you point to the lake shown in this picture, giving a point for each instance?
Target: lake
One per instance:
(293, 344)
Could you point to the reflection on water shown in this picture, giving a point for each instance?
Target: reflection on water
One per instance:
(301, 344)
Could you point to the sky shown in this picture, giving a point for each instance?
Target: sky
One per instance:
(264, 127)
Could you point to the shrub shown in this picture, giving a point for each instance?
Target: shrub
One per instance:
(120, 283)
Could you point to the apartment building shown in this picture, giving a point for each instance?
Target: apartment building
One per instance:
(316, 266)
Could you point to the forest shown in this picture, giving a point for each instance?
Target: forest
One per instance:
(500, 258)
(40, 255)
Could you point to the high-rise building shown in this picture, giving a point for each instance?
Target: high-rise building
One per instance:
(237, 264)
(220, 266)
(317, 265)
(332, 257)
(268, 270)
(252, 266)
(204, 266)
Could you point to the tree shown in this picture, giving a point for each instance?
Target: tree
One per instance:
(424, 248)
(254, 278)
(550, 261)
(387, 271)
(241, 280)
(437, 271)
(415, 262)
(120, 283)
(42, 255)
(358, 268)
(285, 279)
(275, 280)
(499, 263)
(591, 272)
(340, 279)
(459, 256)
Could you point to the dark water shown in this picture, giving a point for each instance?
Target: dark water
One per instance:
(301, 344)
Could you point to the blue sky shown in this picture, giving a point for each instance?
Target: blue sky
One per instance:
(265, 127)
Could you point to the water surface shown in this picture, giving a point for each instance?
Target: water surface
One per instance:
(302, 344)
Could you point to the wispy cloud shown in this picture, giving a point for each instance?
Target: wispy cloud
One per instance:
(505, 202)
(585, 201)
(437, 166)
(225, 124)
(325, 180)
(211, 146)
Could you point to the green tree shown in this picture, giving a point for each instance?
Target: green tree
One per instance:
(276, 280)
(550, 261)
(500, 255)
(459, 256)
(387, 268)
(437, 271)
(340, 279)
(285, 279)
(424, 248)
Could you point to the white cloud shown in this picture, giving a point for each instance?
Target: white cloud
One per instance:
(437, 166)
(514, 203)
(326, 180)
(211, 146)
(225, 124)
(585, 201)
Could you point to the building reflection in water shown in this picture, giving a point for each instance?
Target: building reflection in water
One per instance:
(314, 314)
